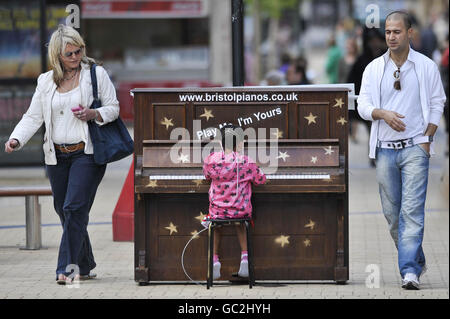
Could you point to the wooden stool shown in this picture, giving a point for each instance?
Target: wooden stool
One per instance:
(224, 222)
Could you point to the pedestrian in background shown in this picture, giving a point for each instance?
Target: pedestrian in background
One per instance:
(273, 77)
(402, 94)
(62, 99)
(445, 78)
(346, 63)
(374, 46)
(332, 65)
(296, 73)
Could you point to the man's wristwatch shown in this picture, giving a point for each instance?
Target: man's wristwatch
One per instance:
(430, 138)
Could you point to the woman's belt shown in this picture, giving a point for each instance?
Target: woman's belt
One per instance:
(69, 148)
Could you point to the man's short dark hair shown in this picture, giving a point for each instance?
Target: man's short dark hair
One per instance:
(404, 15)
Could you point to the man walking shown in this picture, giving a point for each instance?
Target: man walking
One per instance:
(402, 94)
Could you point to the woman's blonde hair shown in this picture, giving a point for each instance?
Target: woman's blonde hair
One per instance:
(62, 36)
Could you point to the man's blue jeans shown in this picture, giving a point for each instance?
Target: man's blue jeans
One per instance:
(403, 178)
(74, 181)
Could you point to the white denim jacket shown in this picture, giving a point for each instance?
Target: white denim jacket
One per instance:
(431, 91)
(40, 109)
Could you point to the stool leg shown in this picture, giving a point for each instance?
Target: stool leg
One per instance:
(209, 279)
(250, 255)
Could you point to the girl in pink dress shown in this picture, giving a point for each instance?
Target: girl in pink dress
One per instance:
(231, 176)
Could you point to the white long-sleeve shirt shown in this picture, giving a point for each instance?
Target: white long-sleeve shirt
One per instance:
(405, 101)
(40, 110)
(431, 93)
(67, 129)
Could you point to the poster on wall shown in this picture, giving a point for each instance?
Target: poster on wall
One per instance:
(20, 62)
(20, 43)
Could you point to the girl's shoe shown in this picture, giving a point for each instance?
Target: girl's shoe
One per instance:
(243, 269)
(216, 270)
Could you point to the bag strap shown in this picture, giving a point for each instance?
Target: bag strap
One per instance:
(94, 82)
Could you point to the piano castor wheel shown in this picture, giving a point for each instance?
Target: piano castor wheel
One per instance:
(143, 283)
(341, 282)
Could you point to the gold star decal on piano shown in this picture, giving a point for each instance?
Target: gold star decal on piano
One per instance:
(278, 134)
(311, 118)
(200, 217)
(314, 159)
(328, 150)
(207, 114)
(183, 158)
(311, 224)
(152, 183)
(283, 156)
(342, 121)
(167, 122)
(339, 103)
(282, 240)
(195, 234)
(172, 228)
(197, 182)
(307, 242)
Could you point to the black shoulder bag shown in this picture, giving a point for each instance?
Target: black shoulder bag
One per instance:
(111, 141)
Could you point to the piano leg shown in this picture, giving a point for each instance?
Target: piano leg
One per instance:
(141, 268)
(340, 271)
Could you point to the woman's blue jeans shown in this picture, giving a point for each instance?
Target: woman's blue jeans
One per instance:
(403, 178)
(74, 181)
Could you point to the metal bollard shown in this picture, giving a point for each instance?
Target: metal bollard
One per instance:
(33, 223)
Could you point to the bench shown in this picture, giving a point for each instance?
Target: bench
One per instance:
(32, 211)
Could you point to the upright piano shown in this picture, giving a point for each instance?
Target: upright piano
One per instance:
(300, 215)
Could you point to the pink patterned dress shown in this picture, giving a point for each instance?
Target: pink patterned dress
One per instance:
(231, 177)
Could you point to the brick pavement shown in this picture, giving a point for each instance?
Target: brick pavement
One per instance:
(30, 274)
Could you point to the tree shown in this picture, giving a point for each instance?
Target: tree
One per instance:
(272, 9)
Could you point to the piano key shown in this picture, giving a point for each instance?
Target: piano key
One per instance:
(271, 176)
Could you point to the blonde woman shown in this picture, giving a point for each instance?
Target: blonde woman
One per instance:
(61, 101)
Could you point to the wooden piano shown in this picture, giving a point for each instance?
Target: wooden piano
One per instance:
(300, 215)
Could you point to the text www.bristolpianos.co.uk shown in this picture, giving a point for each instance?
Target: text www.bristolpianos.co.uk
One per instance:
(238, 97)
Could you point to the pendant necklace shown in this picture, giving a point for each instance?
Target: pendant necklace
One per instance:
(65, 91)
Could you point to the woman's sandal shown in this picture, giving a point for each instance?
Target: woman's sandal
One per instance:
(64, 280)
(91, 275)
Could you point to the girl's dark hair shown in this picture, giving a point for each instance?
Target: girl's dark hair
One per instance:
(231, 136)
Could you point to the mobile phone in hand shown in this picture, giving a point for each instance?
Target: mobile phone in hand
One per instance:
(76, 109)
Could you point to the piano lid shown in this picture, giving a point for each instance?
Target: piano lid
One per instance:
(348, 87)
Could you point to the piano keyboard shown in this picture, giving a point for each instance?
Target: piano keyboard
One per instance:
(274, 176)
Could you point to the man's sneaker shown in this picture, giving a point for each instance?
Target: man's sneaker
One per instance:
(216, 270)
(410, 282)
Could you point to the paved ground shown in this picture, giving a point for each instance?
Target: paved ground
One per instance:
(30, 274)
